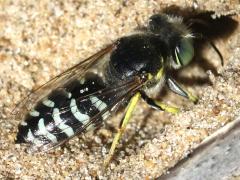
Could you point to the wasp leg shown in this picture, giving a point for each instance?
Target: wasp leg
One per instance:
(159, 105)
(124, 123)
(173, 86)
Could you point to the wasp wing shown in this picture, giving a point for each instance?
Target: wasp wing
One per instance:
(57, 82)
(70, 120)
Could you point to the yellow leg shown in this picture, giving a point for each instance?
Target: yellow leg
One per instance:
(167, 108)
(159, 105)
(191, 97)
(125, 121)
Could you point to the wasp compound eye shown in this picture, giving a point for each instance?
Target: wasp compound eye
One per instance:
(184, 52)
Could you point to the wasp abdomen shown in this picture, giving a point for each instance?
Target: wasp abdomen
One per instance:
(63, 113)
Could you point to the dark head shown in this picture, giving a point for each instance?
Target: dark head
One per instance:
(176, 36)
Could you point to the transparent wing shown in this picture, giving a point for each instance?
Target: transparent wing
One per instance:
(113, 97)
(57, 82)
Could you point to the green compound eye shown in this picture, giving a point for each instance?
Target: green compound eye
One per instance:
(184, 52)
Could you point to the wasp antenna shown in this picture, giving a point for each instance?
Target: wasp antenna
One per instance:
(217, 51)
(211, 43)
(201, 36)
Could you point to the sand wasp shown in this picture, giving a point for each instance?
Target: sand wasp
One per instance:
(81, 98)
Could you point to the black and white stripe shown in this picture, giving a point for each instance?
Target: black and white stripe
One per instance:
(64, 113)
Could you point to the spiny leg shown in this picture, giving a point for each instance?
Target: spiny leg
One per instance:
(130, 108)
(159, 105)
(173, 86)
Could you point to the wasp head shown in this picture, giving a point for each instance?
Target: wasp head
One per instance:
(176, 36)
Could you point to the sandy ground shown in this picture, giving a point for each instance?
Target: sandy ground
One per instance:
(41, 39)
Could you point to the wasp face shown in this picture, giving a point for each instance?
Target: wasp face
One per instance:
(176, 36)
